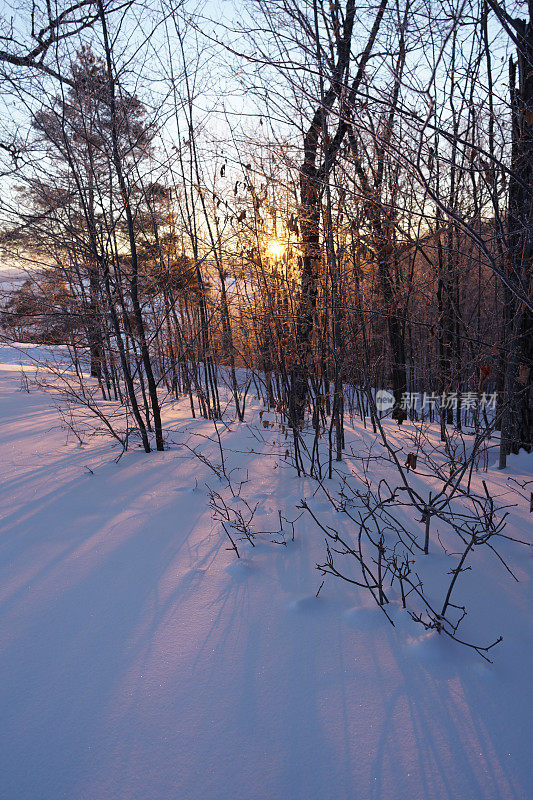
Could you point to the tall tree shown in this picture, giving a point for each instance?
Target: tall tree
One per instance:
(517, 424)
(320, 149)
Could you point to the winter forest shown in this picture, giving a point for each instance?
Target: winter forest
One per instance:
(266, 396)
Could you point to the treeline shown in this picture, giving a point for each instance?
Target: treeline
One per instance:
(360, 218)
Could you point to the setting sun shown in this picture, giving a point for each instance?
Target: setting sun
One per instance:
(276, 249)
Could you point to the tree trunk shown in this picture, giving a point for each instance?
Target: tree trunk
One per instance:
(518, 430)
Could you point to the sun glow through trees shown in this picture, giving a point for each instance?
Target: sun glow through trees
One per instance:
(276, 249)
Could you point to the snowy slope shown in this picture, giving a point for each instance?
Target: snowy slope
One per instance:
(140, 660)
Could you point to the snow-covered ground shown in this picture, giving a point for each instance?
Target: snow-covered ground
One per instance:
(140, 660)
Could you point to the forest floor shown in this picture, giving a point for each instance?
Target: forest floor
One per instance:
(141, 660)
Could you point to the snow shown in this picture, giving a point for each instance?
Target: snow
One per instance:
(141, 660)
